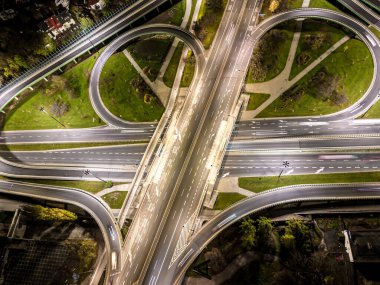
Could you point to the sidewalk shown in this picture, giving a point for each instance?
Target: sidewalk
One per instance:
(231, 185)
(121, 187)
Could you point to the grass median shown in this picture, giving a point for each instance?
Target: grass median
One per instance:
(224, 200)
(256, 99)
(259, 184)
(171, 71)
(115, 199)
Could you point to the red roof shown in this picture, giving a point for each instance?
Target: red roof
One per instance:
(53, 22)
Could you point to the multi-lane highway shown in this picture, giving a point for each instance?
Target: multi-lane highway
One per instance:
(175, 185)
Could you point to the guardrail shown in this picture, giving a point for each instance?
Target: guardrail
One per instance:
(66, 46)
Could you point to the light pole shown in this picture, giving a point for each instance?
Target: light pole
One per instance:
(42, 109)
(284, 164)
(87, 172)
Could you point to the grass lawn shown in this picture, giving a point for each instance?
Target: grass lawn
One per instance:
(225, 200)
(72, 90)
(188, 72)
(315, 28)
(173, 66)
(149, 52)
(52, 146)
(352, 62)
(256, 99)
(323, 4)
(211, 19)
(115, 199)
(373, 112)
(120, 97)
(259, 184)
(89, 186)
(275, 58)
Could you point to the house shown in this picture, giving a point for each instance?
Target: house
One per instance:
(59, 26)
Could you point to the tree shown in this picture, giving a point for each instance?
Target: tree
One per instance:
(300, 232)
(248, 237)
(264, 230)
(50, 214)
(288, 241)
(273, 6)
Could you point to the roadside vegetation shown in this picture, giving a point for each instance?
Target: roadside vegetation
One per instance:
(41, 213)
(336, 83)
(273, 7)
(171, 70)
(188, 72)
(257, 250)
(53, 146)
(317, 36)
(323, 4)
(125, 94)
(115, 199)
(209, 17)
(270, 54)
(89, 186)
(256, 99)
(64, 97)
(224, 200)
(259, 184)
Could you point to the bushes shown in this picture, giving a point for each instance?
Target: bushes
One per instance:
(50, 214)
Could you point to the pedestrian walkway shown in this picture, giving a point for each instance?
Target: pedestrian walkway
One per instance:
(121, 187)
(231, 185)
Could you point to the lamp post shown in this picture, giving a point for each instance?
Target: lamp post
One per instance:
(42, 109)
(284, 164)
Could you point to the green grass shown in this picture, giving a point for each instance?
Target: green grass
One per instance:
(256, 99)
(89, 186)
(26, 115)
(52, 146)
(149, 52)
(211, 28)
(332, 33)
(115, 199)
(225, 200)
(276, 58)
(120, 97)
(259, 184)
(375, 31)
(323, 4)
(188, 72)
(352, 62)
(171, 70)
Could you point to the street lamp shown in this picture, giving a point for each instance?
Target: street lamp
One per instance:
(42, 109)
(87, 172)
(284, 164)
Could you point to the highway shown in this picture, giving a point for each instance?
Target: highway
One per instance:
(96, 207)
(177, 153)
(258, 203)
(182, 166)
